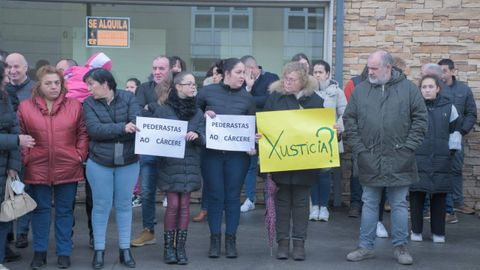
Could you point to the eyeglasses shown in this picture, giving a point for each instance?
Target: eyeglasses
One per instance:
(190, 84)
(291, 80)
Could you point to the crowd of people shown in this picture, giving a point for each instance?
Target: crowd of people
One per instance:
(74, 123)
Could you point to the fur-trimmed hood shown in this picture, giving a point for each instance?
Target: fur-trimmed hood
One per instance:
(308, 90)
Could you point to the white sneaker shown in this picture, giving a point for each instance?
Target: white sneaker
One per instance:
(3, 267)
(323, 215)
(417, 237)
(381, 231)
(314, 212)
(438, 238)
(165, 203)
(247, 206)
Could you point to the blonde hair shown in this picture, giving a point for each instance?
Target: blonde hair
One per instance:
(45, 70)
(299, 68)
(163, 88)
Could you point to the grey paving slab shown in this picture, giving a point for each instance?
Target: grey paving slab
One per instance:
(326, 247)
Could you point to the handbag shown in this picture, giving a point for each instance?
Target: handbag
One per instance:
(15, 205)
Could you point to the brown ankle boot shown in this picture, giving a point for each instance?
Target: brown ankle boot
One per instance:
(283, 249)
(298, 253)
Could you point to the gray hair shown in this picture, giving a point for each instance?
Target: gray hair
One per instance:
(432, 69)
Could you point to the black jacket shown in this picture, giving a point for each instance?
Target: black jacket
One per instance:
(146, 94)
(260, 89)
(9, 149)
(222, 99)
(19, 93)
(182, 174)
(433, 156)
(464, 102)
(106, 126)
(279, 100)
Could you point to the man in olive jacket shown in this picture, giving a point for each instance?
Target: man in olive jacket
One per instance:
(385, 122)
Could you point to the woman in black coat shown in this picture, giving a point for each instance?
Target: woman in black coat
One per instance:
(178, 177)
(295, 90)
(434, 159)
(10, 142)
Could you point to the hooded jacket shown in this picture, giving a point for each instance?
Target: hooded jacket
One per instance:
(61, 141)
(278, 100)
(384, 125)
(77, 89)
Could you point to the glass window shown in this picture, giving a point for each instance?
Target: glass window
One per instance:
(240, 21)
(296, 22)
(203, 21)
(199, 35)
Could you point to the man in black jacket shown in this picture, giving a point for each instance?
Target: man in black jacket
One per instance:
(147, 97)
(464, 102)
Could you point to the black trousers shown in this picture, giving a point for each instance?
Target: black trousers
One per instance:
(437, 212)
(291, 205)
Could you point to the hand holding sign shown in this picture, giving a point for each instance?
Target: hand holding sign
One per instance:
(191, 136)
(210, 114)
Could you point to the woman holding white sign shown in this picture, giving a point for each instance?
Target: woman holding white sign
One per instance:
(295, 90)
(112, 166)
(179, 177)
(224, 171)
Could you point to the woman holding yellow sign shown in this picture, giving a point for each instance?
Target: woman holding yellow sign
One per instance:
(295, 90)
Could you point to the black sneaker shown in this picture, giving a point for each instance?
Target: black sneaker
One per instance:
(22, 241)
(63, 262)
(10, 255)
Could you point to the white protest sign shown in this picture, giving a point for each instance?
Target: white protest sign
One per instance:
(160, 137)
(231, 132)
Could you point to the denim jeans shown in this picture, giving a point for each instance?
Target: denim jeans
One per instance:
(320, 191)
(204, 205)
(112, 185)
(224, 172)
(251, 178)
(148, 171)
(397, 196)
(63, 195)
(5, 228)
(456, 196)
(23, 222)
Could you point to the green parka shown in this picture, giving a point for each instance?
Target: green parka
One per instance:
(384, 125)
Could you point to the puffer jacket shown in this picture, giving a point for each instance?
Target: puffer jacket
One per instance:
(434, 159)
(222, 99)
(106, 126)
(279, 100)
(61, 141)
(384, 125)
(182, 174)
(9, 149)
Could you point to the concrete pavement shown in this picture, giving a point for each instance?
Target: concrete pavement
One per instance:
(326, 246)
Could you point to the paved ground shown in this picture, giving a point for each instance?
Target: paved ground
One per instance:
(327, 245)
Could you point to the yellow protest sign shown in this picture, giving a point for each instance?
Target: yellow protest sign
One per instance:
(297, 140)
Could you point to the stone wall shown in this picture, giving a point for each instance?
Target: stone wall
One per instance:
(419, 31)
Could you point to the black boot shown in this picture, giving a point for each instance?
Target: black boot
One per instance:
(126, 258)
(180, 246)
(169, 255)
(10, 255)
(63, 262)
(230, 246)
(98, 259)
(215, 243)
(39, 260)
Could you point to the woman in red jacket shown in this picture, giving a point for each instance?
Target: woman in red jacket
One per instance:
(54, 165)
